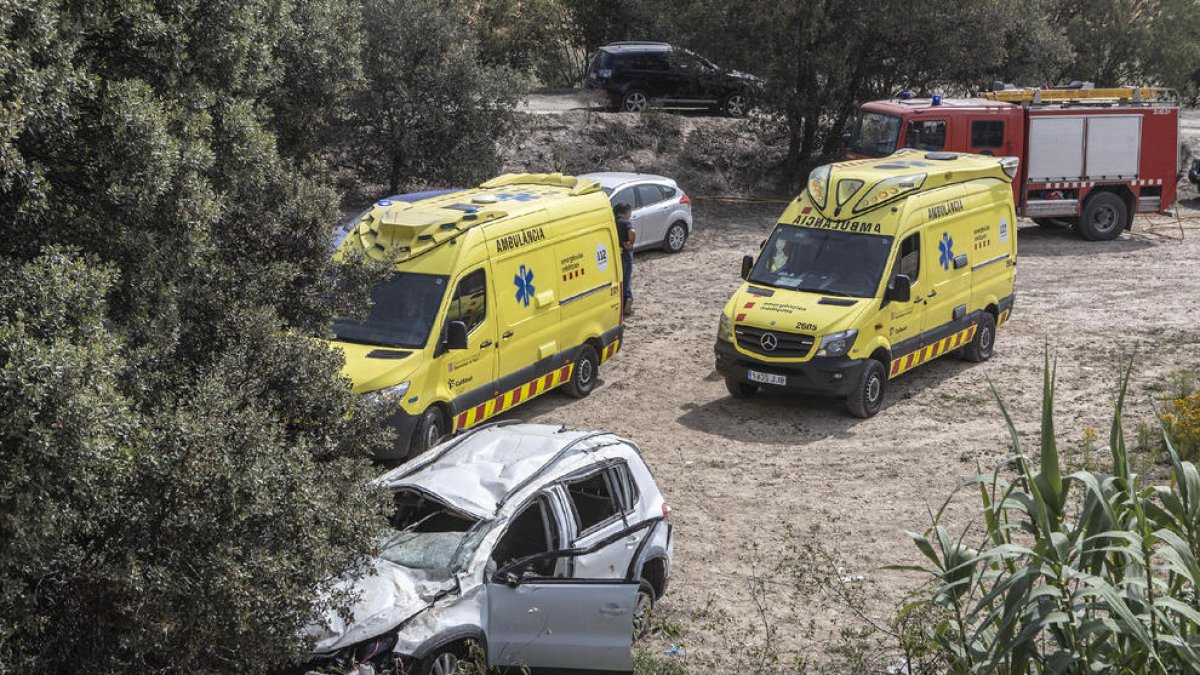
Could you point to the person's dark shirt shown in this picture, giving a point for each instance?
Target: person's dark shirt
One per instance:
(623, 227)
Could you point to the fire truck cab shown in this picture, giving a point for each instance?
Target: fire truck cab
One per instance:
(1089, 158)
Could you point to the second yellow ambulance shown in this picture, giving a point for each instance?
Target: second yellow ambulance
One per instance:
(879, 266)
(498, 294)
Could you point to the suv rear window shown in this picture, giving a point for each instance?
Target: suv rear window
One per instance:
(593, 499)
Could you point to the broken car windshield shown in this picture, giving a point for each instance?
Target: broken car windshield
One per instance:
(402, 312)
(822, 261)
(428, 535)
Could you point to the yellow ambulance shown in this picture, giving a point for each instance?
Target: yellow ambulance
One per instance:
(881, 265)
(498, 295)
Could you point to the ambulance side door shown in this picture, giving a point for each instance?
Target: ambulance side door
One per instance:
(527, 283)
(903, 321)
(948, 245)
(469, 373)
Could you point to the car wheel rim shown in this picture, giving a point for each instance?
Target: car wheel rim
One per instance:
(985, 340)
(1105, 219)
(874, 386)
(431, 438)
(677, 238)
(641, 613)
(444, 664)
(635, 102)
(585, 372)
(737, 105)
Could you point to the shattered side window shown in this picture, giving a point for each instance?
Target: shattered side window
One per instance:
(427, 534)
(532, 531)
(593, 499)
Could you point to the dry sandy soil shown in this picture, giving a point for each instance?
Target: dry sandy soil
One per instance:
(739, 473)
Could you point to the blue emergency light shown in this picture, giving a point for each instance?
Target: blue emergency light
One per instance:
(937, 100)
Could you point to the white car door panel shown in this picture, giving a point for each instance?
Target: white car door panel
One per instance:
(580, 624)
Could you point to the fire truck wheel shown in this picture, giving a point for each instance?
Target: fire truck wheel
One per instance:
(1104, 217)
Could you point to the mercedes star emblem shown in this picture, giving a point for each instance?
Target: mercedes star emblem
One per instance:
(769, 342)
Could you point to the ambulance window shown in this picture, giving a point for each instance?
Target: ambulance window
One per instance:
(469, 303)
(987, 133)
(926, 135)
(625, 196)
(909, 262)
(649, 194)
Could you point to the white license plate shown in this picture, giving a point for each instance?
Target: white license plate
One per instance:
(766, 378)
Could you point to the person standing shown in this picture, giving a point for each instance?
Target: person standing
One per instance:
(626, 235)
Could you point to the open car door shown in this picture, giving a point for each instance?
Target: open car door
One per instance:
(556, 623)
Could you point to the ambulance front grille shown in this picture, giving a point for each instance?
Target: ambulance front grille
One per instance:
(787, 345)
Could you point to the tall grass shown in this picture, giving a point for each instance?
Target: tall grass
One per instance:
(1090, 572)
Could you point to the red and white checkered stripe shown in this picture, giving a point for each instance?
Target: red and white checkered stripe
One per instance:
(1148, 181)
(1070, 186)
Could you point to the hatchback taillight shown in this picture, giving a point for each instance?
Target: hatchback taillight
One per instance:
(685, 199)
(666, 512)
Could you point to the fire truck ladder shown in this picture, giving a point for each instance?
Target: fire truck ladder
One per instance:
(1109, 95)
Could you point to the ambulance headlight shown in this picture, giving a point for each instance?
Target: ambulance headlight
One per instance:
(818, 185)
(725, 329)
(837, 344)
(387, 395)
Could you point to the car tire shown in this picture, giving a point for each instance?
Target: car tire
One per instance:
(736, 104)
(446, 660)
(430, 430)
(740, 389)
(584, 374)
(643, 609)
(635, 101)
(677, 235)
(867, 398)
(1104, 217)
(981, 346)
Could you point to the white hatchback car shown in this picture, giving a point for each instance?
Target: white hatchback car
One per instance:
(662, 212)
(541, 545)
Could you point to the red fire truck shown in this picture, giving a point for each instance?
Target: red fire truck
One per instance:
(1090, 158)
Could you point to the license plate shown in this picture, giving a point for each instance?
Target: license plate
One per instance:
(766, 378)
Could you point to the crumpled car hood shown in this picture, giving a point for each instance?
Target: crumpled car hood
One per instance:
(390, 596)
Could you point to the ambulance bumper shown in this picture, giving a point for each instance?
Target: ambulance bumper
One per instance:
(404, 424)
(821, 375)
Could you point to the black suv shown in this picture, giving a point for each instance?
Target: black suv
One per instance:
(634, 74)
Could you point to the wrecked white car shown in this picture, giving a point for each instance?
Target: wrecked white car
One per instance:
(534, 545)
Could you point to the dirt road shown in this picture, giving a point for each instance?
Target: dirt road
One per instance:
(739, 472)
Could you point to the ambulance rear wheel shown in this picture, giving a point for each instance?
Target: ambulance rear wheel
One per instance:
(740, 389)
(430, 429)
(980, 348)
(1104, 217)
(867, 398)
(584, 374)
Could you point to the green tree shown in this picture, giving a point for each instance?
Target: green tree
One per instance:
(184, 469)
(431, 113)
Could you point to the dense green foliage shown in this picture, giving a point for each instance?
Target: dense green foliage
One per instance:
(183, 469)
(1090, 572)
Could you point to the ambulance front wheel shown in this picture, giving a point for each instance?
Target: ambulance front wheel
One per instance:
(740, 389)
(984, 341)
(584, 374)
(867, 398)
(430, 429)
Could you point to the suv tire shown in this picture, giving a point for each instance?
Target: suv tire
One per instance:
(1104, 217)
(867, 398)
(635, 101)
(736, 104)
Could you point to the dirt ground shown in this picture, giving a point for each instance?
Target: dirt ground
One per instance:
(738, 473)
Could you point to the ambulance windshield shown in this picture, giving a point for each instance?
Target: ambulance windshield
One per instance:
(402, 312)
(822, 261)
(875, 134)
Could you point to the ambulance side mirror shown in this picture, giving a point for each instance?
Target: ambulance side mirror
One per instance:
(456, 335)
(747, 265)
(900, 290)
